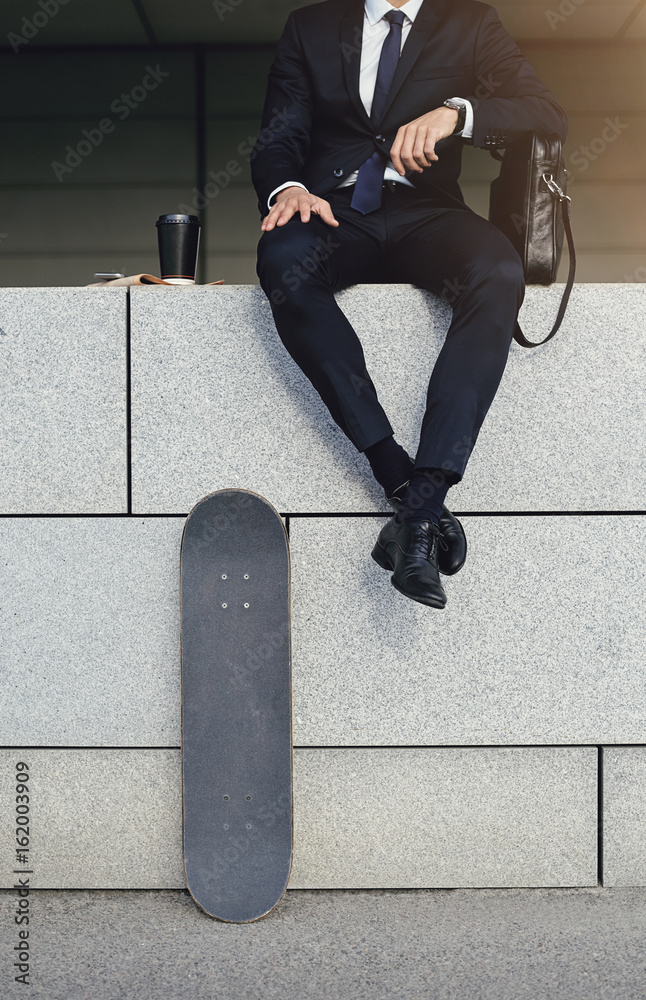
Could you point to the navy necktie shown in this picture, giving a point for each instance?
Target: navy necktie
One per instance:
(368, 190)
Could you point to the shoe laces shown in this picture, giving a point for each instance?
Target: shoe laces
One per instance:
(426, 539)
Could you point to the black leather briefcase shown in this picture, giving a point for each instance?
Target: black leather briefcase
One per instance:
(530, 205)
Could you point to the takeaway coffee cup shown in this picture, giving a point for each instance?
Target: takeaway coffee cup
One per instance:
(179, 242)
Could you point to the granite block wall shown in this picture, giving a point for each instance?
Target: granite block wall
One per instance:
(497, 743)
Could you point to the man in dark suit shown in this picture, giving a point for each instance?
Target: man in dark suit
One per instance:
(356, 168)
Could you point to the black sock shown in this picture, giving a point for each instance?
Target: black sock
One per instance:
(425, 496)
(391, 464)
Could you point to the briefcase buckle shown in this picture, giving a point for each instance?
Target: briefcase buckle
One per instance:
(555, 189)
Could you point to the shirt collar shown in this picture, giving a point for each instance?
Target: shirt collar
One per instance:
(376, 9)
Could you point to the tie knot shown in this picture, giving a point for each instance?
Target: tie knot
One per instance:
(396, 17)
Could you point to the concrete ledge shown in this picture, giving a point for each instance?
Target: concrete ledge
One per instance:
(218, 402)
(624, 816)
(362, 818)
(63, 402)
(541, 642)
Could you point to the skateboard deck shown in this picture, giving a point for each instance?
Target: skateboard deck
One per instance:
(236, 705)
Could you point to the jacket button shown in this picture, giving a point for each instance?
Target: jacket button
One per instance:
(338, 172)
(380, 138)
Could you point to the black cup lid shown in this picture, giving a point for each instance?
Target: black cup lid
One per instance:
(191, 219)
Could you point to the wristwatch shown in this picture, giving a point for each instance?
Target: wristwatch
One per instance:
(459, 106)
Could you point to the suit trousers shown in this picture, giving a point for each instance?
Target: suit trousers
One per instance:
(413, 238)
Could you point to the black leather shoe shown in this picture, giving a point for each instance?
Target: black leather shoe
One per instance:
(410, 550)
(453, 557)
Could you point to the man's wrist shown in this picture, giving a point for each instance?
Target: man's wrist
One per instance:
(283, 187)
(464, 127)
(288, 191)
(455, 117)
(460, 113)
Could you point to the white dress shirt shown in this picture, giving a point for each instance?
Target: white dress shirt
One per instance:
(375, 31)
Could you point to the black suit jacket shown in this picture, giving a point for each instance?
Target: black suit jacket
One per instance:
(315, 129)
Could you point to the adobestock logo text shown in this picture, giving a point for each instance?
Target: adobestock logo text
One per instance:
(30, 26)
(122, 107)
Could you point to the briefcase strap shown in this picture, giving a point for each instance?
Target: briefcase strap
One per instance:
(564, 201)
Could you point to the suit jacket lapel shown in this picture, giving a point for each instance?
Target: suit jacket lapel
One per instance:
(422, 29)
(351, 38)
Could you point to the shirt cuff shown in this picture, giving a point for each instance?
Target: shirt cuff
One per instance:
(291, 184)
(467, 131)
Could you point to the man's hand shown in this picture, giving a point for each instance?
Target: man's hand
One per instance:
(294, 199)
(414, 146)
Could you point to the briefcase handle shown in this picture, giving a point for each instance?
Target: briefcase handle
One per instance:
(564, 201)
